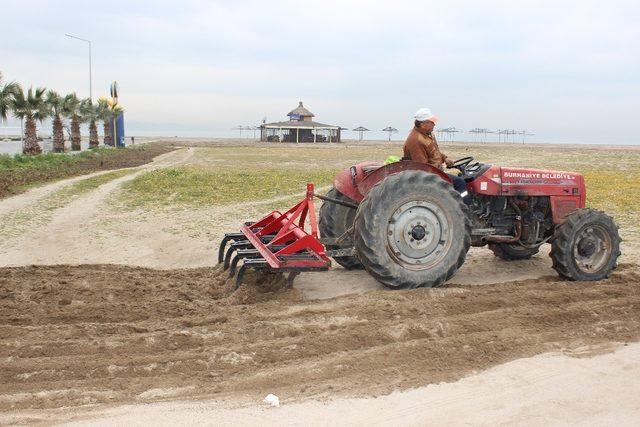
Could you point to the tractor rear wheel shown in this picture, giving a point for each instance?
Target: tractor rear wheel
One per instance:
(512, 252)
(586, 246)
(334, 220)
(412, 230)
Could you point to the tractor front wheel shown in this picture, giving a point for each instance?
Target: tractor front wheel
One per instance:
(586, 246)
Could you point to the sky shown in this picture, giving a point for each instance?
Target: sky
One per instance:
(567, 71)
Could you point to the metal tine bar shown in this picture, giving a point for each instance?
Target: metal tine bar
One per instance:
(236, 237)
(240, 275)
(232, 248)
(258, 264)
(292, 275)
(247, 253)
(228, 237)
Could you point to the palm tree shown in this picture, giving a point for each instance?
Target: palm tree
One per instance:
(31, 108)
(6, 92)
(104, 113)
(56, 106)
(107, 111)
(72, 110)
(90, 114)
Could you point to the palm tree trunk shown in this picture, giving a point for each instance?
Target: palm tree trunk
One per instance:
(58, 135)
(75, 134)
(108, 138)
(30, 145)
(93, 134)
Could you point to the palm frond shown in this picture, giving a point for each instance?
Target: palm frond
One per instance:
(102, 109)
(29, 105)
(18, 103)
(88, 110)
(55, 102)
(6, 95)
(71, 105)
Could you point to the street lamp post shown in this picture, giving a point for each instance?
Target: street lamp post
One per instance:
(90, 80)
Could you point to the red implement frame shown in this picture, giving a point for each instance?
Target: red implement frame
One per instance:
(301, 249)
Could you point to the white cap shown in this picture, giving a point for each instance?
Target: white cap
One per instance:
(424, 114)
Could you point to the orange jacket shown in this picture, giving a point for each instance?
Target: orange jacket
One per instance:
(423, 148)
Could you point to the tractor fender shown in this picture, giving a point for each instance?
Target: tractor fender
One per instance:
(356, 181)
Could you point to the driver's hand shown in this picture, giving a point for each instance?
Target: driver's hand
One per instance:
(448, 162)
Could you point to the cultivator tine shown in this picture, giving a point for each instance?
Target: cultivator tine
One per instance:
(292, 275)
(256, 264)
(248, 253)
(232, 248)
(242, 253)
(240, 275)
(234, 237)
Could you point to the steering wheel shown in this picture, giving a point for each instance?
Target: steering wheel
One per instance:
(462, 163)
(465, 164)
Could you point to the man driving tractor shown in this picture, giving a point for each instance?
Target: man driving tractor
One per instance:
(421, 146)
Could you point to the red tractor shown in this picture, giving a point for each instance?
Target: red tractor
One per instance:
(405, 224)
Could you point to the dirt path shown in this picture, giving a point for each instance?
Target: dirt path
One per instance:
(23, 200)
(65, 234)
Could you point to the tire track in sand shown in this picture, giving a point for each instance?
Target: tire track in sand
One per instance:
(104, 334)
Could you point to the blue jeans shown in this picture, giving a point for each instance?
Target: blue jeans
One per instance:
(461, 187)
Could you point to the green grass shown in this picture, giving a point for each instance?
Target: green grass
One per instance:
(195, 186)
(92, 183)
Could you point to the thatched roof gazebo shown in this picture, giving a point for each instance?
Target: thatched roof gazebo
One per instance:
(299, 128)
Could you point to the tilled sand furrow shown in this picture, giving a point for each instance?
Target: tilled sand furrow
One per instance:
(114, 332)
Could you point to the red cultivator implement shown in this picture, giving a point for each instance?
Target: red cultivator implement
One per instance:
(277, 243)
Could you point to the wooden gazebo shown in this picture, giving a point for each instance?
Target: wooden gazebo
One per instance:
(299, 128)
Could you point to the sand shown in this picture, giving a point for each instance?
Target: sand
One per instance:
(109, 334)
(549, 390)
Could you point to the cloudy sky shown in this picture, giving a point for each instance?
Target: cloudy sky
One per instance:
(567, 70)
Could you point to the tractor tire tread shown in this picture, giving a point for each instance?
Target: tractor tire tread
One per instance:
(368, 245)
(561, 247)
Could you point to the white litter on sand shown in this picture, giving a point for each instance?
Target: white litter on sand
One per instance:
(272, 400)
